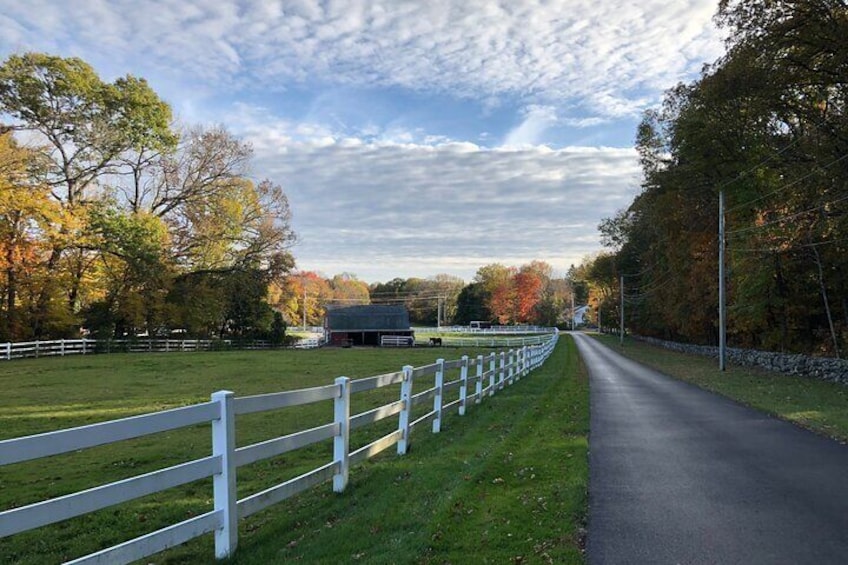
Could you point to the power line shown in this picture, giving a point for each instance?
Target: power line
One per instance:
(633, 296)
(757, 166)
(788, 185)
(789, 248)
(640, 273)
(788, 217)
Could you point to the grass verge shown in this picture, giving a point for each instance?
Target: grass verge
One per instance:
(504, 484)
(519, 455)
(816, 405)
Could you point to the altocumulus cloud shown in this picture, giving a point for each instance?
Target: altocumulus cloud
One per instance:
(601, 57)
(380, 209)
(385, 193)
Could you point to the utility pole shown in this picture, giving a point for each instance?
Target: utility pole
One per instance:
(572, 305)
(600, 326)
(304, 308)
(722, 307)
(621, 329)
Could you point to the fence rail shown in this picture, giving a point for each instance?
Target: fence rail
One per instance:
(62, 347)
(487, 341)
(483, 375)
(397, 341)
(486, 331)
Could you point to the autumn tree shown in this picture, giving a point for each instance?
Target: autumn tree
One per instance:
(87, 125)
(134, 269)
(28, 215)
(602, 277)
(496, 282)
(348, 289)
(305, 292)
(517, 294)
(139, 211)
(766, 124)
(446, 288)
(472, 305)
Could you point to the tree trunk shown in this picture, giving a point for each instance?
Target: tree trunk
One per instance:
(782, 292)
(42, 304)
(823, 291)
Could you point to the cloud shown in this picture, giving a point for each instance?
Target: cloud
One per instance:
(607, 58)
(368, 94)
(380, 209)
(537, 119)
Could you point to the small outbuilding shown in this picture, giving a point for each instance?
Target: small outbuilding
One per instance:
(365, 325)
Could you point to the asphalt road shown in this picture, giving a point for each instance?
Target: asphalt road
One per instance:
(680, 476)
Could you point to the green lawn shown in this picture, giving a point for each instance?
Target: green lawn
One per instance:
(506, 480)
(816, 405)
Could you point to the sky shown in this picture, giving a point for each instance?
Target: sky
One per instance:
(412, 138)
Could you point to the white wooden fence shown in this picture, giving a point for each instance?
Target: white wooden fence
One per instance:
(484, 375)
(397, 341)
(492, 330)
(308, 343)
(487, 341)
(63, 347)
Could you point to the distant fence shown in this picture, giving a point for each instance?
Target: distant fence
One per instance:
(397, 341)
(307, 329)
(496, 336)
(63, 347)
(484, 375)
(486, 341)
(491, 330)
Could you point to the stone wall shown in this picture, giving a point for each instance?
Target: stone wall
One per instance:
(824, 368)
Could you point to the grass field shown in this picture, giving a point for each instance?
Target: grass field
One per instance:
(508, 480)
(816, 405)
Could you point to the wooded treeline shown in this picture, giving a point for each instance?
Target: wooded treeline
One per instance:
(529, 294)
(767, 125)
(116, 219)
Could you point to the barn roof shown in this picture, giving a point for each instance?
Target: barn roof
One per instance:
(368, 317)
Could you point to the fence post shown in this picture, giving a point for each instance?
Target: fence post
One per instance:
(62, 347)
(224, 483)
(518, 363)
(341, 442)
(502, 371)
(463, 386)
(517, 369)
(406, 411)
(8, 350)
(512, 362)
(524, 364)
(492, 374)
(437, 398)
(36, 349)
(478, 388)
